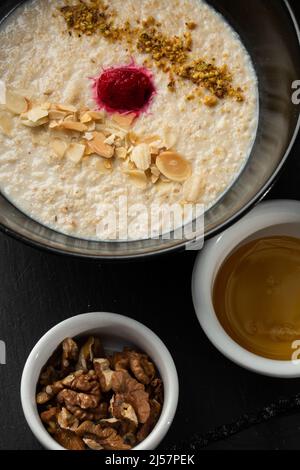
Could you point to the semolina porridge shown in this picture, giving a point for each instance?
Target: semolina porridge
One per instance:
(154, 101)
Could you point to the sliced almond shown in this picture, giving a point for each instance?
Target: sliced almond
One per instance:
(151, 139)
(97, 115)
(98, 146)
(121, 153)
(154, 151)
(138, 178)
(124, 120)
(110, 140)
(75, 152)
(193, 188)
(70, 118)
(15, 103)
(89, 136)
(40, 122)
(74, 126)
(86, 117)
(88, 151)
(133, 138)
(141, 156)
(6, 124)
(54, 124)
(57, 115)
(170, 137)
(173, 166)
(91, 126)
(59, 147)
(109, 129)
(46, 106)
(37, 113)
(155, 174)
(66, 107)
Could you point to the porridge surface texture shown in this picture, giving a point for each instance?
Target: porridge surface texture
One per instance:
(40, 59)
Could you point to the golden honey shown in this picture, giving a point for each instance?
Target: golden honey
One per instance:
(257, 296)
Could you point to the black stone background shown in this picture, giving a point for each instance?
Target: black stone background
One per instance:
(38, 290)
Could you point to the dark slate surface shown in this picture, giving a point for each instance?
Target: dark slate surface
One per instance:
(38, 290)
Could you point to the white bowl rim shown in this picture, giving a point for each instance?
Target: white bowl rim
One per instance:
(266, 214)
(83, 323)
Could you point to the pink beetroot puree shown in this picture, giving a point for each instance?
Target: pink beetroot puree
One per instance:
(126, 89)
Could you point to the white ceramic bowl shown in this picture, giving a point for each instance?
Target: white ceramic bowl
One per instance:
(116, 331)
(267, 219)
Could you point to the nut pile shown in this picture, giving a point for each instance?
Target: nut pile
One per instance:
(78, 134)
(172, 54)
(89, 400)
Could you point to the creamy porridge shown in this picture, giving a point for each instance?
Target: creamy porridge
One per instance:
(61, 156)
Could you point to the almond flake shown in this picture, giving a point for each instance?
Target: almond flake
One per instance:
(109, 129)
(110, 140)
(155, 174)
(57, 115)
(46, 106)
(75, 152)
(98, 146)
(88, 136)
(15, 103)
(154, 170)
(6, 124)
(86, 117)
(91, 126)
(173, 166)
(97, 115)
(138, 178)
(70, 118)
(74, 126)
(133, 138)
(170, 137)
(66, 107)
(154, 151)
(193, 188)
(36, 114)
(154, 179)
(152, 139)
(141, 156)
(40, 122)
(88, 151)
(59, 147)
(54, 124)
(124, 120)
(121, 152)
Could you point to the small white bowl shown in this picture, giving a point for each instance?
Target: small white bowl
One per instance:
(267, 219)
(116, 331)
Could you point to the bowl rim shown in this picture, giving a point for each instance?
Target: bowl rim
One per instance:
(182, 245)
(266, 214)
(84, 323)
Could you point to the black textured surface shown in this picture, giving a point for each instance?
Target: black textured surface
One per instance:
(37, 290)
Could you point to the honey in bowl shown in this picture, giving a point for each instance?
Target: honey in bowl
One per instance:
(257, 296)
